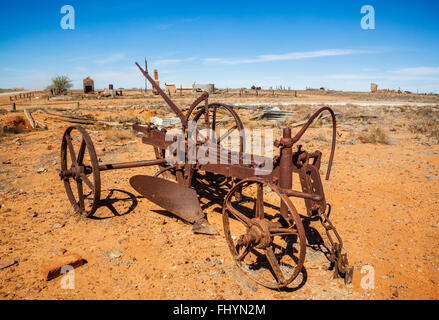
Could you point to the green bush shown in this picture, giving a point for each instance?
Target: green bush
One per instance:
(60, 85)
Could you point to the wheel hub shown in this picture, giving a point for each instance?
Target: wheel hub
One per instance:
(257, 235)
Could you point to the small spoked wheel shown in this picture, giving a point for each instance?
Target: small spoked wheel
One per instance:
(223, 124)
(267, 246)
(80, 170)
(222, 127)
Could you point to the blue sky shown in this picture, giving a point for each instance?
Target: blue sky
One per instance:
(232, 44)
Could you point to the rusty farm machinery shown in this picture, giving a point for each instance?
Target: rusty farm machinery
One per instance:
(263, 228)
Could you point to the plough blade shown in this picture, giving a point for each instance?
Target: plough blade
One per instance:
(180, 200)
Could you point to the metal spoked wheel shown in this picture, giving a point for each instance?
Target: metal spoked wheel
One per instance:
(222, 122)
(79, 165)
(268, 247)
(224, 128)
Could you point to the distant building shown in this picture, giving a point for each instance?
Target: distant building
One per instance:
(156, 79)
(89, 85)
(208, 87)
(174, 87)
(373, 87)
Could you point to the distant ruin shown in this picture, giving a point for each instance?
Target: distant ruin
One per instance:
(89, 85)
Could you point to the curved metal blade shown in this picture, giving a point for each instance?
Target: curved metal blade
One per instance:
(180, 200)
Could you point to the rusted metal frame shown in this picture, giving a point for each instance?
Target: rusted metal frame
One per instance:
(235, 116)
(311, 183)
(303, 195)
(286, 167)
(171, 104)
(194, 104)
(132, 164)
(233, 170)
(235, 157)
(336, 255)
(334, 134)
(105, 167)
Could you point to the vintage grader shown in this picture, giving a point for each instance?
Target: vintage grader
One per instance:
(263, 229)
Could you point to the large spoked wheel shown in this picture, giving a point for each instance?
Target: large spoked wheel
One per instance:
(223, 124)
(268, 247)
(80, 170)
(223, 127)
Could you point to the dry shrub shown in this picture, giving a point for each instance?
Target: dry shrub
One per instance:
(5, 131)
(118, 134)
(144, 119)
(250, 124)
(374, 136)
(427, 127)
(123, 118)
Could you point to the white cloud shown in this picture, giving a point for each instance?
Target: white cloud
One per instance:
(348, 76)
(379, 76)
(81, 69)
(173, 61)
(419, 71)
(168, 61)
(113, 58)
(169, 25)
(287, 56)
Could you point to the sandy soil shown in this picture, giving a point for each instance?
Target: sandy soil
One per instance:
(385, 198)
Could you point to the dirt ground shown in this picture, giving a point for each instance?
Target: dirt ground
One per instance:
(384, 191)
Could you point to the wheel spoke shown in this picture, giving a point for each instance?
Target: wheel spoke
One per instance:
(213, 122)
(260, 202)
(282, 231)
(274, 265)
(227, 133)
(245, 253)
(81, 152)
(71, 150)
(203, 138)
(80, 195)
(245, 220)
(87, 181)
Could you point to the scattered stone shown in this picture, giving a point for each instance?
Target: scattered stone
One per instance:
(429, 177)
(59, 251)
(41, 170)
(114, 256)
(7, 263)
(123, 240)
(131, 261)
(58, 225)
(52, 269)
